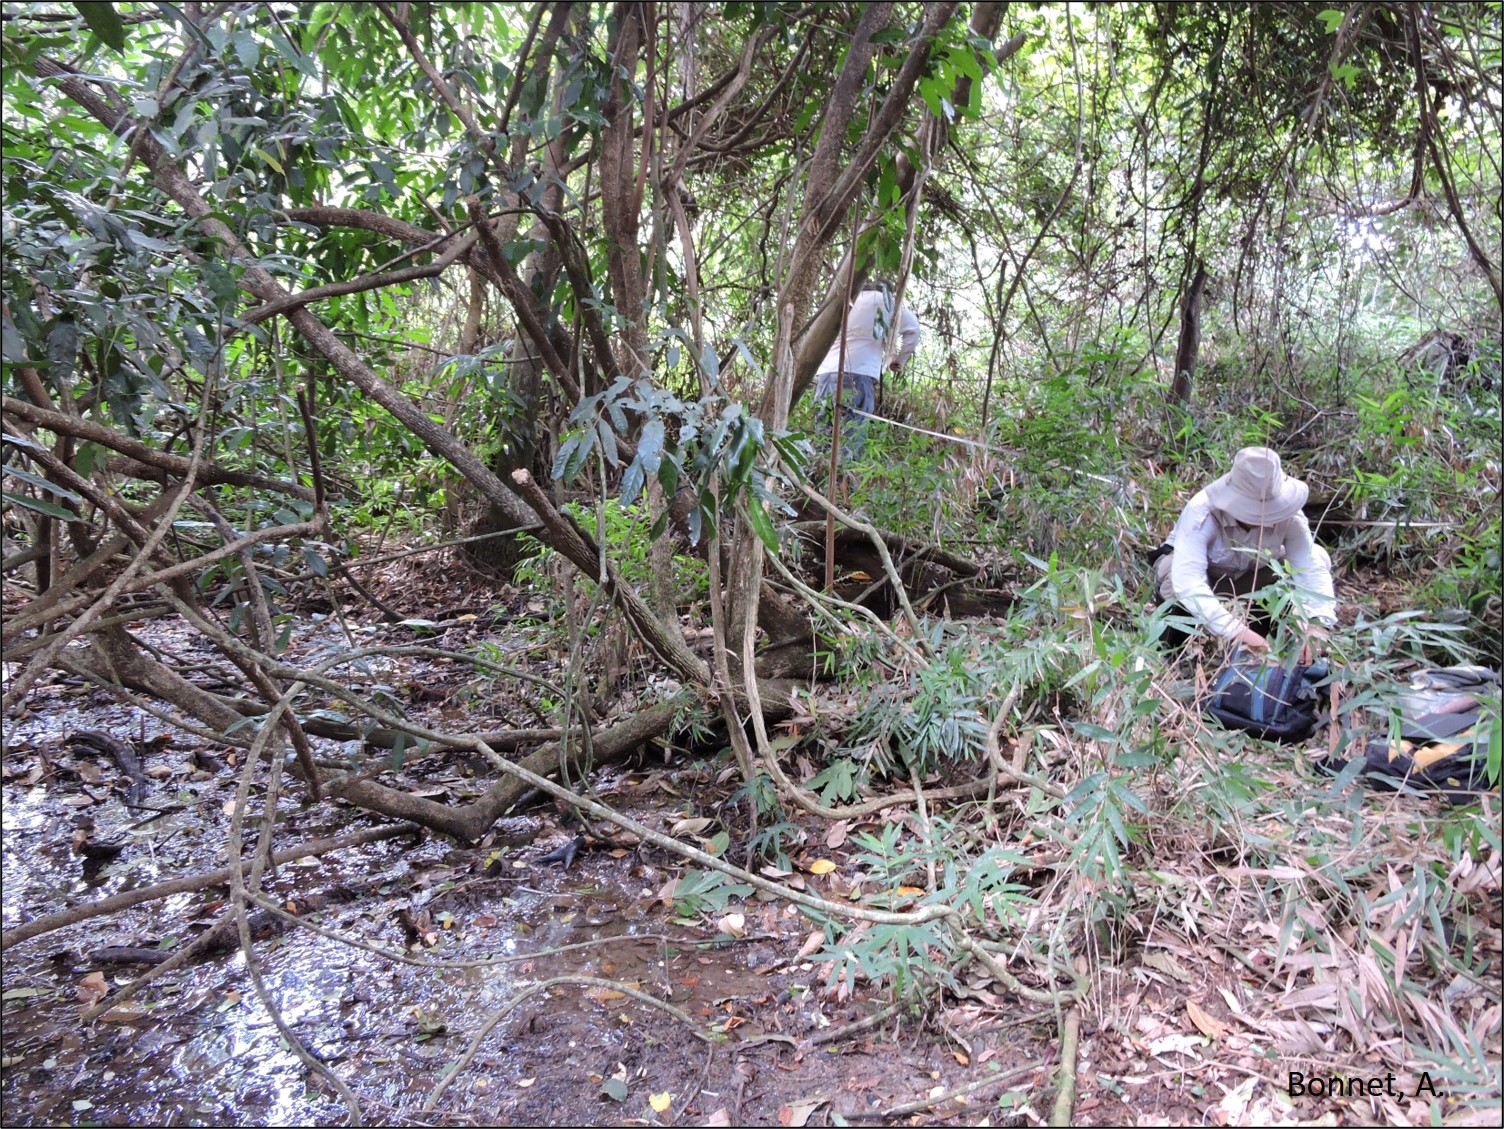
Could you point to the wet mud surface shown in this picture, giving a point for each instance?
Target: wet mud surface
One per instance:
(199, 1047)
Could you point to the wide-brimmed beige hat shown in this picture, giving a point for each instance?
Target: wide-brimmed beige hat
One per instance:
(1256, 491)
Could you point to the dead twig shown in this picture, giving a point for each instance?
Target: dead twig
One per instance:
(957, 1092)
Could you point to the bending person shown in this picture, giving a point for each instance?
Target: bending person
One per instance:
(868, 324)
(1223, 544)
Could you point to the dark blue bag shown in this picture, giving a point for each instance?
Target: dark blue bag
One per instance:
(1273, 700)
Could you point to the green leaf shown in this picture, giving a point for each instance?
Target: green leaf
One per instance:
(615, 1089)
(399, 751)
(762, 524)
(650, 445)
(89, 454)
(608, 442)
(632, 481)
(104, 21)
(42, 484)
(41, 507)
(1095, 732)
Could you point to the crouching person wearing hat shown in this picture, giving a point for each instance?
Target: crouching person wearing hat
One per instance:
(1223, 544)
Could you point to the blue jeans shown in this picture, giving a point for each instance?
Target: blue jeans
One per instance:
(853, 426)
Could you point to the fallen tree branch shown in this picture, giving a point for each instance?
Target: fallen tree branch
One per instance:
(882, 551)
(44, 611)
(470, 822)
(962, 1091)
(149, 543)
(1011, 982)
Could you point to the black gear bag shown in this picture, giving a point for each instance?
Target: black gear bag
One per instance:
(1269, 699)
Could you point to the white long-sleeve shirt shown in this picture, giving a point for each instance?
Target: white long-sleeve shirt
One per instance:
(1202, 540)
(867, 326)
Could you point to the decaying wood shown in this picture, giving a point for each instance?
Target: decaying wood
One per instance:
(124, 755)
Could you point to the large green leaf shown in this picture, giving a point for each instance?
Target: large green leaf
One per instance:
(104, 22)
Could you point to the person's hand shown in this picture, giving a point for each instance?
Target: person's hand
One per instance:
(1314, 634)
(895, 365)
(1251, 639)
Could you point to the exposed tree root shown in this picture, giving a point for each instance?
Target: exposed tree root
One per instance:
(471, 821)
(1065, 1097)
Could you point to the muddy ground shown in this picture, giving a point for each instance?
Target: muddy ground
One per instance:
(198, 1047)
(762, 1035)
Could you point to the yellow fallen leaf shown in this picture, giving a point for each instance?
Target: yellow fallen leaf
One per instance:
(605, 995)
(661, 1102)
(910, 891)
(821, 866)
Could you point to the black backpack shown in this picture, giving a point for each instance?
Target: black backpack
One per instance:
(1439, 747)
(1273, 700)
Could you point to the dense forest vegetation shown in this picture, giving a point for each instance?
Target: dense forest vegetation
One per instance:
(391, 387)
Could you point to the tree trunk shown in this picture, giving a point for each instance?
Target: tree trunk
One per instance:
(1190, 337)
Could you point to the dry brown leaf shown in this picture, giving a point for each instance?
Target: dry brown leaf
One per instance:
(125, 1013)
(811, 945)
(1163, 962)
(797, 1114)
(1208, 1025)
(92, 988)
(1314, 995)
(837, 833)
